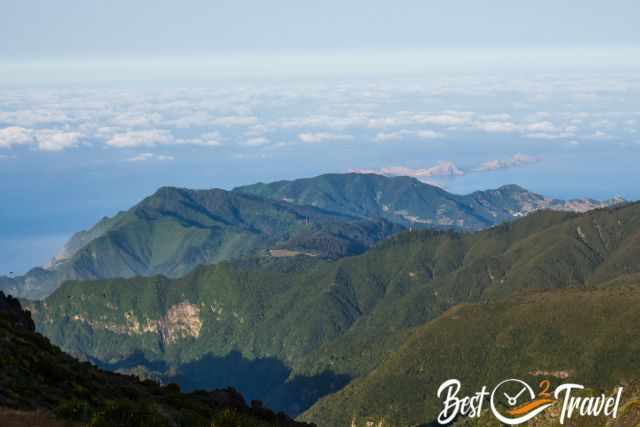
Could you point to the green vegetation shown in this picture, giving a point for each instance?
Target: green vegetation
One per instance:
(35, 375)
(306, 326)
(175, 230)
(331, 216)
(413, 203)
(587, 335)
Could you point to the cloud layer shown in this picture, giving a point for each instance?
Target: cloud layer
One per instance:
(43, 139)
(144, 157)
(254, 120)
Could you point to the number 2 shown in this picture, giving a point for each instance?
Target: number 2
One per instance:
(544, 385)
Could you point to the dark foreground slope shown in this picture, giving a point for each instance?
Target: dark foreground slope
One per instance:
(175, 230)
(587, 337)
(35, 375)
(305, 327)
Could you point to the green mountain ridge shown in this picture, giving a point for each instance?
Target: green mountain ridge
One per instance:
(326, 322)
(333, 215)
(175, 230)
(413, 203)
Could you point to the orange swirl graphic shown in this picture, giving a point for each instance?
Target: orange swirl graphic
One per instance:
(528, 407)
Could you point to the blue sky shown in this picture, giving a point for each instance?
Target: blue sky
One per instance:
(103, 102)
(120, 28)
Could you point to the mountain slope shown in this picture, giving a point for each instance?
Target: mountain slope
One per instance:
(410, 202)
(175, 230)
(306, 325)
(579, 336)
(34, 375)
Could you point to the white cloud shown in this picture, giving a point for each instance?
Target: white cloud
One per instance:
(602, 124)
(33, 117)
(107, 131)
(501, 117)
(43, 139)
(234, 121)
(256, 141)
(279, 145)
(496, 127)
(544, 126)
(600, 135)
(392, 136)
(534, 130)
(317, 137)
(408, 118)
(52, 140)
(428, 134)
(545, 135)
(541, 115)
(451, 118)
(372, 121)
(143, 157)
(517, 160)
(548, 130)
(15, 135)
(405, 133)
(326, 121)
(257, 130)
(199, 118)
(209, 139)
(152, 138)
(143, 138)
(137, 119)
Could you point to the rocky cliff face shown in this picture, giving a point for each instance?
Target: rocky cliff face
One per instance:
(182, 320)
